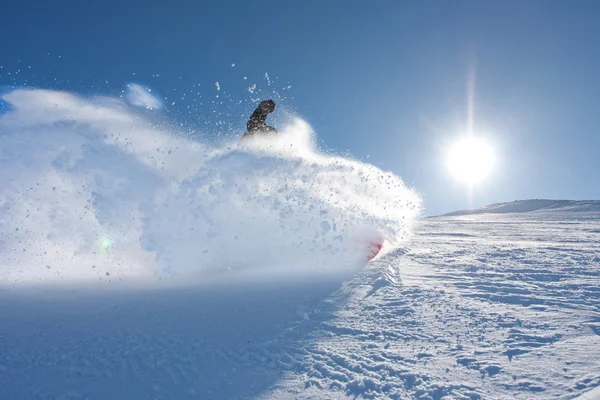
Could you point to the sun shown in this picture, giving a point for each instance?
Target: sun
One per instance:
(470, 159)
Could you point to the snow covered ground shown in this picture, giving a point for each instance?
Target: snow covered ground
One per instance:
(482, 306)
(138, 263)
(487, 306)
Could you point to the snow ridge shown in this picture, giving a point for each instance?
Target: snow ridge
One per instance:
(533, 205)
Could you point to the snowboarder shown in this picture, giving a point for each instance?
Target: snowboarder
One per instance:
(256, 124)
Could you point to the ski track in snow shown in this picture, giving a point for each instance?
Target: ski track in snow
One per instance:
(483, 306)
(479, 307)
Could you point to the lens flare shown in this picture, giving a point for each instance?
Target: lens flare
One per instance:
(106, 243)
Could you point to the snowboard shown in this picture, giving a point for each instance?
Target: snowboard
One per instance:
(373, 248)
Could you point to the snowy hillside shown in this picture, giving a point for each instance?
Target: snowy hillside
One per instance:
(488, 306)
(522, 206)
(138, 263)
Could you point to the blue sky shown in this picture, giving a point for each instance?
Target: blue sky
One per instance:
(384, 81)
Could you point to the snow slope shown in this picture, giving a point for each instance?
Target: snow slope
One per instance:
(133, 266)
(485, 306)
(522, 206)
(496, 306)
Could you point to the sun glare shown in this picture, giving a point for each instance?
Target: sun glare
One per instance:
(470, 159)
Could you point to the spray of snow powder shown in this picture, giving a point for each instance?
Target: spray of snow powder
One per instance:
(92, 190)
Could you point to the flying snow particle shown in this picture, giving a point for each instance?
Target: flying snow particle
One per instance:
(141, 97)
(218, 86)
(252, 88)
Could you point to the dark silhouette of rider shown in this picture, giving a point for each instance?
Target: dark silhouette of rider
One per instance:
(257, 122)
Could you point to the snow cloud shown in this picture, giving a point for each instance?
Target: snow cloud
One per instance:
(90, 190)
(140, 96)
